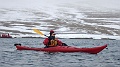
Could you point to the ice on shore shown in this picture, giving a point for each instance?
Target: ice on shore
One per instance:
(70, 12)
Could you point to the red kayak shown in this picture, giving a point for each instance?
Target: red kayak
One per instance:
(93, 50)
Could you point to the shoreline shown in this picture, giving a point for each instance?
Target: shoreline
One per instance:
(62, 38)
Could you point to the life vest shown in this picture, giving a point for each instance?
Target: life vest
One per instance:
(53, 43)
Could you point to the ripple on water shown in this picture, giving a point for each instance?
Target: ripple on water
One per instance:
(10, 57)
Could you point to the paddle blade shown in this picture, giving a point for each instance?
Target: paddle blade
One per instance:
(38, 31)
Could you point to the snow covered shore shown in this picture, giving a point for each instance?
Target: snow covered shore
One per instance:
(95, 19)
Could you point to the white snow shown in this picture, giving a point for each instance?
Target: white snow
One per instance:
(87, 36)
(24, 10)
(63, 29)
(17, 8)
(111, 26)
(17, 28)
(17, 24)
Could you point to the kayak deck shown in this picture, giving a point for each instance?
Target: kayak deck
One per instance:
(93, 50)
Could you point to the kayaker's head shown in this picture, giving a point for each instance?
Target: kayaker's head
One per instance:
(52, 33)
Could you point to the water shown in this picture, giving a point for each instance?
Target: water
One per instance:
(10, 57)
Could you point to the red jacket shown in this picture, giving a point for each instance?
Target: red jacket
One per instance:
(46, 41)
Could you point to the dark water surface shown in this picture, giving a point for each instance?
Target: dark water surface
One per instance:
(10, 57)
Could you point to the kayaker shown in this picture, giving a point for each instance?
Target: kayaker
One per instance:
(51, 41)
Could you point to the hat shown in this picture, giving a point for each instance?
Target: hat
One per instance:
(51, 31)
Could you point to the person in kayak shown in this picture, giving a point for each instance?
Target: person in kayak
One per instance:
(51, 41)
